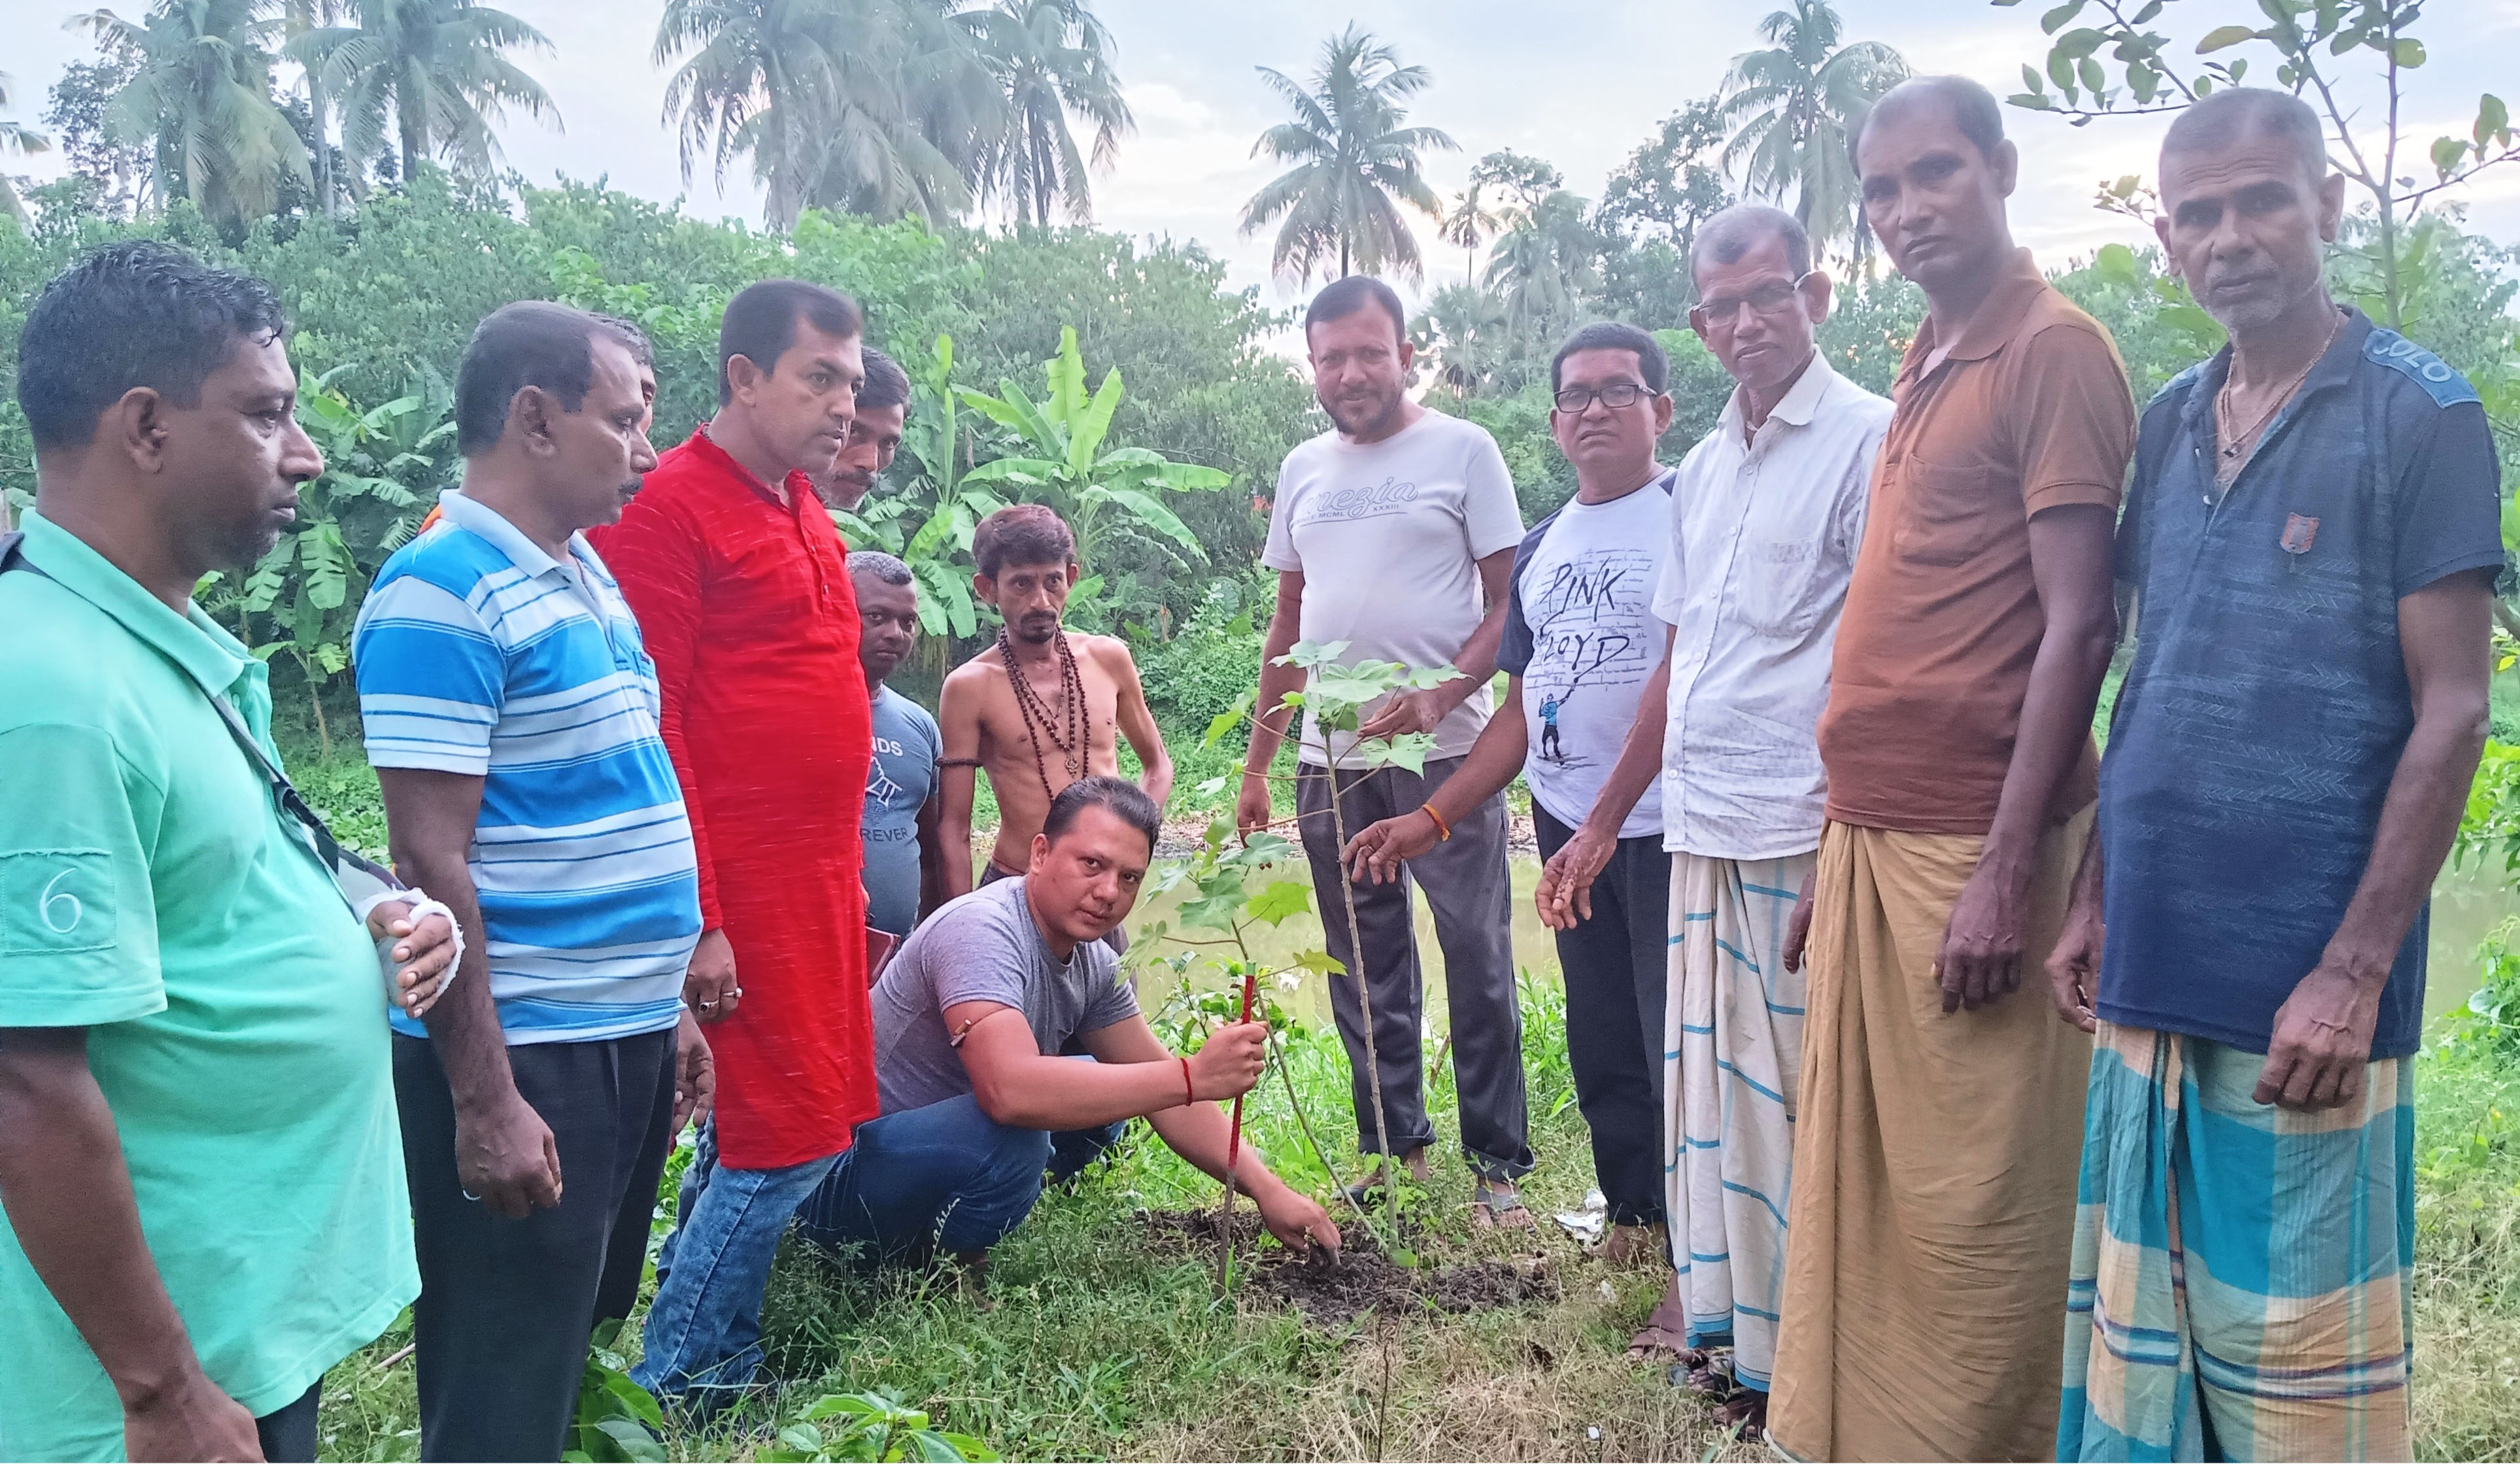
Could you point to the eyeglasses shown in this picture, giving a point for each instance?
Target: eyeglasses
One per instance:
(1617, 395)
(1767, 301)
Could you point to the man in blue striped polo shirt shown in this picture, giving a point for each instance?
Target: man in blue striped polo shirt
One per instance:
(512, 714)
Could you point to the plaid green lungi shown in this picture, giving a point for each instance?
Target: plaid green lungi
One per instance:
(2240, 1286)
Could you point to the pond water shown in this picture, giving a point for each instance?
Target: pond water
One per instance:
(2468, 905)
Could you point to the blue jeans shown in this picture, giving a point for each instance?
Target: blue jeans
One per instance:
(704, 1331)
(945, 1175)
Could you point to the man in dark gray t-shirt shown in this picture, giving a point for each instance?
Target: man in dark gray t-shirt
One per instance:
(969, 1021)
(984, 947)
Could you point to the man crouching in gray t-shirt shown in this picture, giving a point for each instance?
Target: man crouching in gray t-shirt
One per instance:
(969, 1019)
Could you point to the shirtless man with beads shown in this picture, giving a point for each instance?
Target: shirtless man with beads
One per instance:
(1042, 708)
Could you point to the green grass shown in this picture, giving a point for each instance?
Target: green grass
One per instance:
(1105, 1344)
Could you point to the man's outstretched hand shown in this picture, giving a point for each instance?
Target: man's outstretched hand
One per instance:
(1298, 1220)
(1374, 855)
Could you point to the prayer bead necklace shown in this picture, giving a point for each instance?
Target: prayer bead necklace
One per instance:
(1039, 720)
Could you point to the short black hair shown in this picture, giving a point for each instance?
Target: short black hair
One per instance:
(1617, 335)
(2225, 117)
(1135, 807)
(1345, 296)
(134, 314)
(1973, 108)
(886, 384)
(1022, 534)
(887, 568)
(526, 343)
(642, 350)
(1736, 230)
(760, 323)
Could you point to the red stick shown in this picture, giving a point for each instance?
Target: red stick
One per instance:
(1233, 1145)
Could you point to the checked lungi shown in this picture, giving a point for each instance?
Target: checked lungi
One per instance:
(2240, 1278)
(1732, 1047)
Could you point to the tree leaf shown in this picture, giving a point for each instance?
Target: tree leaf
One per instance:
(1279, 900)
(2095, 79)
(2447, 152)
(2225, 38)
(2031, 80)
(1094, 423)
(2060, 16)
(2407, 53)
(2492, 121)
(1159, 517)
(2080, 42)
(1312, 960)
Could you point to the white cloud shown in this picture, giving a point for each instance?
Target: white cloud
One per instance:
(1579, 85)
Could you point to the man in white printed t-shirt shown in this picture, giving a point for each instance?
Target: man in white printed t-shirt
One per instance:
(1765, 519)
(1585, 648)
(1395, 534)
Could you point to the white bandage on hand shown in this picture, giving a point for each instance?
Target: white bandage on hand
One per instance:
(423, 905)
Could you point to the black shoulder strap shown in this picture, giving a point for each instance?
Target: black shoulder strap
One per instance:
(337, 858)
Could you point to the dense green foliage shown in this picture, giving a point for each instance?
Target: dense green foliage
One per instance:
(384, 300)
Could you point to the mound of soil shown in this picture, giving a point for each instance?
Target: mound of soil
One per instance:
(1363, 1281)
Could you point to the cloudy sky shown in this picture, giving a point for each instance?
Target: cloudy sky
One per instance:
(1578, 83)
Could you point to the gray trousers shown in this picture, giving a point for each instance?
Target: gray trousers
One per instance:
(1468, 889)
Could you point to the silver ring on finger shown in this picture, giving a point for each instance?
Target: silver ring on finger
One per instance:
(735, 991)
(708, 1003)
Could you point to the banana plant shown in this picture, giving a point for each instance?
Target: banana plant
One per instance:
(382, 468)
(929, 521)
(1063, 463)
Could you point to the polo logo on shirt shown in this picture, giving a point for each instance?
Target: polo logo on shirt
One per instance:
(56, 901)
(2299, 532)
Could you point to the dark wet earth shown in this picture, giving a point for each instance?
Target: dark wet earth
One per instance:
(1362, 1281)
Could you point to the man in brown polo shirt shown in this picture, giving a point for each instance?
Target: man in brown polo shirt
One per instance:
(1940, 1115)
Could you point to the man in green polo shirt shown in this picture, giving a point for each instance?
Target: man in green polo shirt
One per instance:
(199, 1156)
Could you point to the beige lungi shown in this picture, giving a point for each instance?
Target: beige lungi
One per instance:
(1935, 1164)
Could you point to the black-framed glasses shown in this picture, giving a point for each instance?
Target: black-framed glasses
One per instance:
(1767, 301)
(1617, 395)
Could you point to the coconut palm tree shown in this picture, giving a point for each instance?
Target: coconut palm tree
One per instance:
(436, 70)
(1355, 163)
(1792, 108)
(1050, 58)
(298, 18)
(1544, 263)
(200, 102)
(882, 106)
(1466, 225)
(19, 138)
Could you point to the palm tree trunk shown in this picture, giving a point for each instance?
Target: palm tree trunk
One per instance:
(323, 149)
(1343, 270)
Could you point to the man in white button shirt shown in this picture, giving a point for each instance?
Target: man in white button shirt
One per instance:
(1765, 519)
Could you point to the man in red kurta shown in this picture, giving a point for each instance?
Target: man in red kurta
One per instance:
(742, 593)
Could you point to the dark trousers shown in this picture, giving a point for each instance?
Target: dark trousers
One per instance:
(507, 1308)
(287, 1433)
(1467, 887)
(1617, 966)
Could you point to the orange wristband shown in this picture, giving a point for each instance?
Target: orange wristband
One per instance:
(1442, 832)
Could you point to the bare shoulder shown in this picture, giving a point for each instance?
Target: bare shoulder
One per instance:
(1110, 653)
(973, 678)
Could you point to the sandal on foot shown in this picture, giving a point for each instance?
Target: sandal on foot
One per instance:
(1655, 1342)
(1746, 1413)
(1494, 1204)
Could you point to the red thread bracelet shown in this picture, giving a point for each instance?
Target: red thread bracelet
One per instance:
(1442, 832)
(1188, 1095)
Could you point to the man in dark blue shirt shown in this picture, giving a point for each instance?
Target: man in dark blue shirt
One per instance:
(2311, 539)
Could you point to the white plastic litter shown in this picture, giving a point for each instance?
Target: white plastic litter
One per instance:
(1588, 1225)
